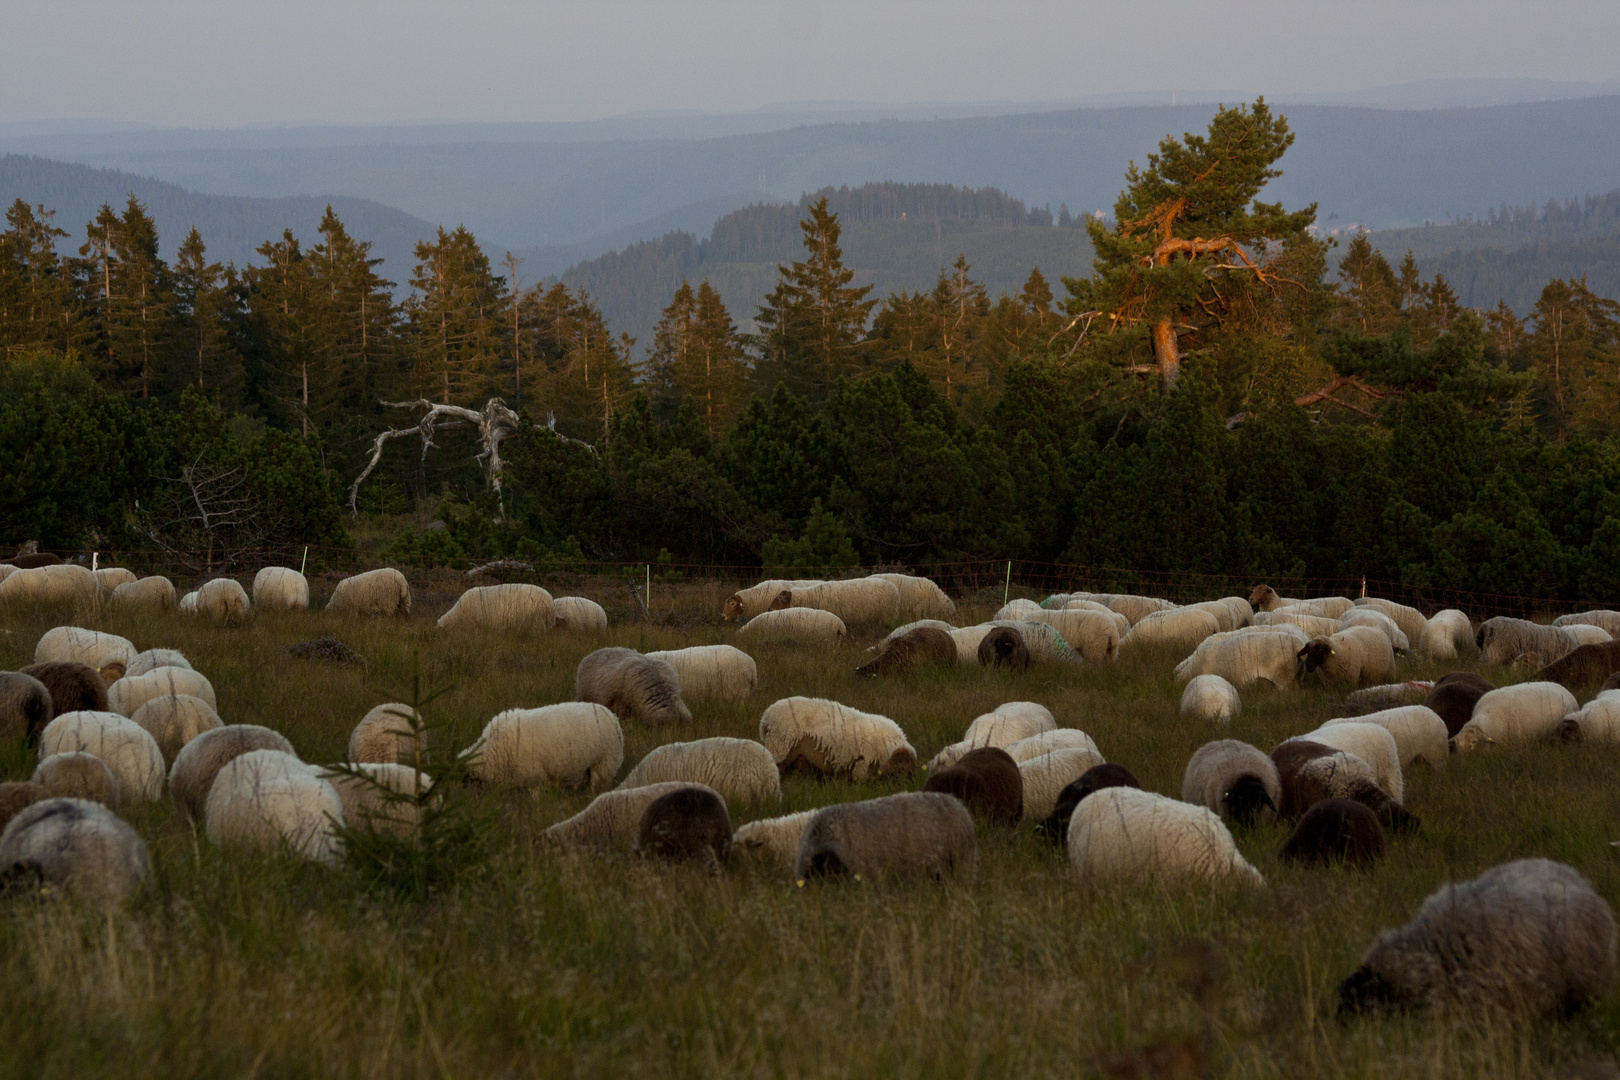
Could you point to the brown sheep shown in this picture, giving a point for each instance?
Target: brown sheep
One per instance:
(1336, 830)
(987, 781)
(25, 707)
(34, 560)
(15, 795)
(1094, 779)
(1004, 646)
(73, 686)
(1611, 683)
(925, 646)
(685, 825)
(1264, 598)
(1311, 772)
(1454, 696)
(78, 775)
(1583, 666)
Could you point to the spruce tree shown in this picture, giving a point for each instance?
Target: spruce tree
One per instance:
(579, 375)
(456, 319)
(282, 308)
(697, 355)
(355, 321)
(205, 308)
(39, 305)
(1370, 301)
(133, 298)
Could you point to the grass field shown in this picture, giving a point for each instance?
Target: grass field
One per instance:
(541, 964)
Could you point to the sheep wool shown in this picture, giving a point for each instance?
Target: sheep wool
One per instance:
(1046, 645)
(612, 819)
(191, 777)
(1002, 646)
(1093, 635)
(1048, 742)
(64, 585)
(1122, 625)
(223, 601)
(73, 687)
(1454, 696)
(1515, 714)
(1137, 608)
(1582, 634)
(1256, 655)
(773, 839)
(79, 846)
(130, 693)
(265, 800)
(1126, 836)
(987, 781)
(757, 599)
(822, 736)
(1584, 666)
(920, 597)
(152, 659)
(1597, 721)
(1608, 620)
(634, 686)
(1377, 620)
(126, 747)
(1056, 827)
(78, 775)
(280, 588)
(1314, 625)
(109, 654)
(379, 797)
(1017, 609)
(110, 577)
(1225, 618)
(1007, 724)
(922, 647)
(739, 769)
(174, 720)
(1419, 733)
(15, 795)
(1370, 742)
(155, 593)
(1518, 641)
(862, 601)
(687, 825)
(384, 736)
(1233, 779)
(723, 672)
(1525, 939)
(25, 707)
(912, 834)
(513, 607)
(1210, 699)
(575, 744)
(1311, 771)
(188, 603)
(1177, 628)
(1409, 620)
(373, 594)
(1336, 830)
(902, 631)
(1358, 655)
(578, 613)
(1371, 699)
(795, 626)
(1046, 775)
(1444, 634)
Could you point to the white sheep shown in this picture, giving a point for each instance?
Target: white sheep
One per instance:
(1124, 835)
(132, 691)
(188, 603)
(920, 597)
(1211, 699)
(77, 845)
(1006, 724)
(1372, 743)
(1379, 621)
(1225, 617)
(128, 749)
(265, 800)
(1094, 635)
(1017, 609)
(756, 599)
(1242, 612)
(775, 839)
(712, 671)
(578, 613)
(1046, 775)
(155, 592)
(222, 601)
(110, 577)
(1608, 620)
(861, 601)
(1444, 634)
(739, 769)
(575, 744)
(1519, 713)
(1313, 625)
(798, 626)
(1596, 721)
(1135, 608)
(379, 796)
(967, 640)
(827, 737)
(1419, 733)
(1409, 620)
(613, 818)
(1504, 640)
(1180, 628)
(1256, 654)
(1047, 742)
(107, 653)
(191, 776)
(152, 659)
(174, 720)
(1331, 607)
(375, 594)
(63, 585)
(511, 607)
(280, 588)
(1234, 780)
(384, 735)
(1360, 655)
(1121, 623)
(1583, 634)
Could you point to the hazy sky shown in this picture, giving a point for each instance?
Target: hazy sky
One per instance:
(225, 64)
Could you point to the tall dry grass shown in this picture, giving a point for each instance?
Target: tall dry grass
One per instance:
(542, 964)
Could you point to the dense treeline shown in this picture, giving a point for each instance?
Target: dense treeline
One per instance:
(1223, 394)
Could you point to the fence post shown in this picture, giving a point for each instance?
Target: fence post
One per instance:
(95, 561)
(1006, 588)
(649, 590)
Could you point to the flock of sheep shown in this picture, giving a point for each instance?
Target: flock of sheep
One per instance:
(1529, 937)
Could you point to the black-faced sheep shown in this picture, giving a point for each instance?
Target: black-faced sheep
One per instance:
(1311, 771)
(17, 794)
(1336, 830)
(75, 845)
(923, 647)
(25, 707)
(988, 782)
(1518, 641)
(374, 594)
(73, 687)
(1523, 940)
(634, 686)
(1233, 779)
(1004, 647)
(192, 775)
(78, 775)
(826, 738)
(1518, 713)
(686, 825)
(1584, 666)
(1358, 655)
(911, 834)
(613, 818)
(1454, 696)
(1093, 780)
(1123, 835)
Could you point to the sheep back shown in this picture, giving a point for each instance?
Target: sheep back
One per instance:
(63, 585)
(374, 594)
(1046, 775)
(739, 769)
(1210, 699)
(1179, 628)
(1123, 835)
(1597, 721)
(1418, 731)
(149, 661)
(1604, 619)
(1137, 608)
(514, 607)
(17, 794)
(801, 626)
(1246, 657)
(155, 592)
(78, 775)
(824, 737)
(1372, 743)
(920, 597)
(1091, 634)
(1584, 666)
(126, 748)
(174, 720)
(1233, 779)
(633, 686)
(280, 588)
(575, 744)
(1443, 633)
(1047, 742)
(191, 777)
(1504, 641)
(922, 647)
(223, 602)
(77, 845)
(1335, 830)
(578, 613)
(756, 599)
(131, 692)
(862, 601)
(1409, 620)
(774, 839)
(1311, 771)
(379, 796)
(712, 671)
(912, 834)
(384, 735)
(1093, 780)
(988, 782)
(73, 687)
(1002, 646)
(265, 800)
(109, 654)
(1519, 713)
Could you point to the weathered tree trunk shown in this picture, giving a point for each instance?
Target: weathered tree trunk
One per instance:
(1165, 351)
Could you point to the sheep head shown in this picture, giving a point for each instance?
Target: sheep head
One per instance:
(1315, 653)
(733, 608)
(1469, 738)
(784, 599)
(1263, 598)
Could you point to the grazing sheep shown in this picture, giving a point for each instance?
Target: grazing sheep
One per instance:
(266, 800)
(712, 671)
(378, 796)
(1584, 666)
(1046, 775)
(1180, 628)
(188, 603)
(1006, 724)
(686, 825)
(857, 602)
(1093, 780)
(1370, 699)
(1123, 835)
(1444, 634)
(1409, 620)
(1004, 647)
(821, 736)
(795, 626)
(1233, 779)
(1242, 611)
(1137, 608)
(1328, 607)
(575, 744)
(375, 594)
(1418, 731)
(1454, 696)
(922, 647)
(1245, 657)
(156, 593)
(127, 748)
(513, 607)
(1596, 721)
(1586, 635)
(739, 769)
(25, 707)
(987, 780)
(1122, 625)
(1519, 713)
(911, 834)
(1372, 743)
(1017, 609)
(1046, 645)
(73, 687)
(1517, 641)
(78, 775)
(920, 597)
(902, 631)
(634, 686)
(1380, 622)
(1313, 625)
(757, 599)
(174, 720)
(64, 585)
(223, 601)
(1092, 634)
(192, 775)
(1225, 618)
(1211, 699)
(776, 839)
(1607, 620)
(17, 794)
(1336, 830)
(110, 577)
(1358, 655)
(128, 694)
(384, 736)
(280, 588)
(1311, 771)
(152, 659)
(76, 845)
(613, 819)
(578, 613)
(1048, 742)
(1525, 939)
(109, 654)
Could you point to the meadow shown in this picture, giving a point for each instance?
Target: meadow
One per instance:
(539, 963)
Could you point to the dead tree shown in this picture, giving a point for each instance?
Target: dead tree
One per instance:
(208, 509)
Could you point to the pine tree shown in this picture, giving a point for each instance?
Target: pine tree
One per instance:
(1370, 301)
(1575, 348)
(205, 307)
(697, 355)
(813, 322)
(961, 307)
(456, 319)
(38, 301)
(355, 321)
(133, 298)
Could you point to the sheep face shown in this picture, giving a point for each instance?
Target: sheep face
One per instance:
(902, 761)
(733, 608)
(1469, 738)
(1263, 598)
(1316, 652)
(1093, 780)
(111, 673)
(1367, 991)
(1004, 647)
(1246, 799)
(783, 601)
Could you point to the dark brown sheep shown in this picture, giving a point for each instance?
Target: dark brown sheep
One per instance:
(1305, 784)
(1089, 782)
(686, 825)
(987, 781)
(1263, 598)
(1454, 697)
(1004, 646)
(25, 707)
(34, 560)
(925, 646)
(1336, 830)
(17, 794)
(1583, 666)
(1611, 683)
(73, 686)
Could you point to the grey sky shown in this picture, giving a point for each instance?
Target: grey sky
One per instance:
(226, 64)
